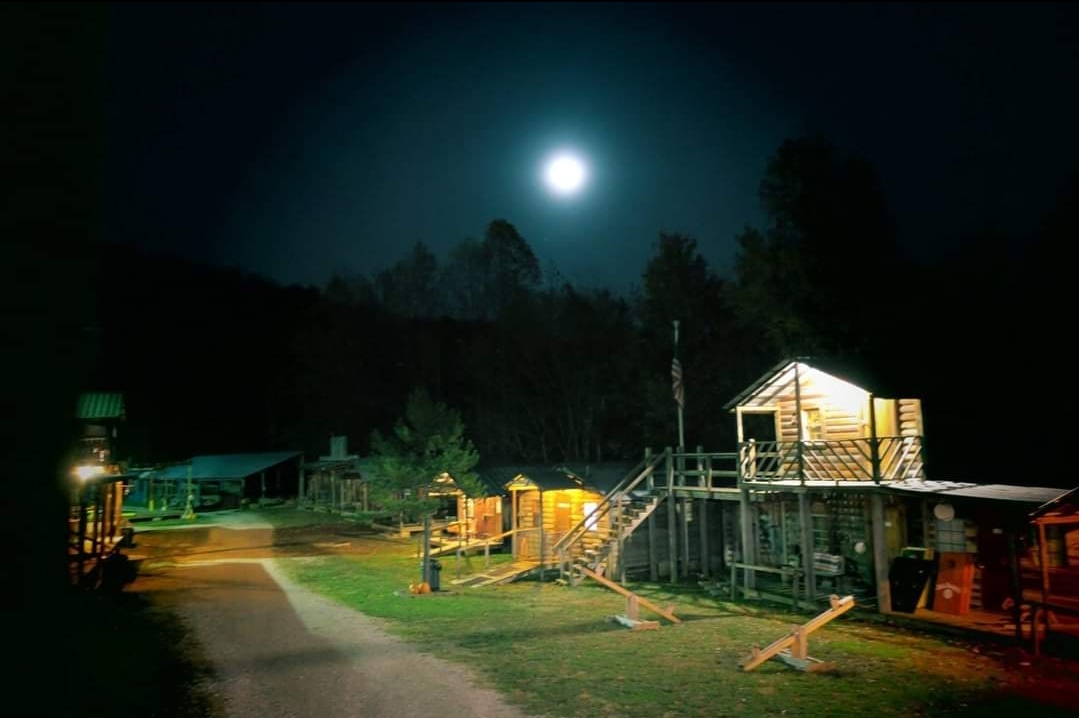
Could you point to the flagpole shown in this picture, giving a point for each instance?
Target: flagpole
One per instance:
(681, 424)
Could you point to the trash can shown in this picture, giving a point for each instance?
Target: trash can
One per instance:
(434, 573)
(908, 578)
(434, 569)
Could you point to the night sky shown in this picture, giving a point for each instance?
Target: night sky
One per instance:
(297, 141)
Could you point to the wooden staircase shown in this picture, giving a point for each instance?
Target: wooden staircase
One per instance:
(588, 545)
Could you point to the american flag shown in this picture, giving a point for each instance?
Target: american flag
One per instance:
(676, 382)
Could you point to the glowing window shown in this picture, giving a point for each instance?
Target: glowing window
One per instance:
(590, 515)
(812, 429)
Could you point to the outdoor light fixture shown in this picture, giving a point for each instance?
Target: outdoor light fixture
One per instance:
(88, 471)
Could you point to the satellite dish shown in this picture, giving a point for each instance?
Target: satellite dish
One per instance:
(944, 512)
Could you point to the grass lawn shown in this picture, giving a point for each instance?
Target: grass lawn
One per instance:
(551, 650)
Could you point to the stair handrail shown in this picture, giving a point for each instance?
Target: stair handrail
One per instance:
(635, 476)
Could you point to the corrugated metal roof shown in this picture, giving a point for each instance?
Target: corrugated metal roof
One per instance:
(779, 380)
(856, 374)
(226, 466)
(100, 405)
(1064, 506)
(995, 492)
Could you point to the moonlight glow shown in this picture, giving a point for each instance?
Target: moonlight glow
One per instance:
(565, 174)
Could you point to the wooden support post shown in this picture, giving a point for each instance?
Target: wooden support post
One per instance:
(702, 524)
(701, 476)
(653, 567)
(633, 607)
(1043, 554)
(1016, 584)
(874, 442)
(619, 564)
(807, 547)
(784, 552)
(799, 444)
(748, 554)
(880, 556)
(542, 547)
(800, 646)
(721, 519)
(653, 558)
(686, 503)
(684, 515)
(672, 529)
(515, 506)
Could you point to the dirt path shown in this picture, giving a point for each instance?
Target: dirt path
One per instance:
(282, 651)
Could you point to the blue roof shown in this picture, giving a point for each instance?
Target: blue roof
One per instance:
(226, 466)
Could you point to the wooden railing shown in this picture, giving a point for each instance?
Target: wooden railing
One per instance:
(612, 502)
(705, 470)
(887, 458)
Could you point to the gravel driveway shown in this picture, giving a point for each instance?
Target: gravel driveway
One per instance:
(280, 650)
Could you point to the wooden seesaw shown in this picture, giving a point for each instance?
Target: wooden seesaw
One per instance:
(631, 619)
(793, 649)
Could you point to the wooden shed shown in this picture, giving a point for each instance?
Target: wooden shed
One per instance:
(337, 481)
(545, 503)
(799, 422)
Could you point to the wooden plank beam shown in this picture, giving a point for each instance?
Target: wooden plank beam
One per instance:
(807, 547)
(748, 554)
(672, 529)
(702, 524)
(880, 556)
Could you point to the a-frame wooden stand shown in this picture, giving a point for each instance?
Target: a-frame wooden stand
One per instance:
(793, 649)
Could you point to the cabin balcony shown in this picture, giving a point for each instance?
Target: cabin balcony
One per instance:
(842, 461)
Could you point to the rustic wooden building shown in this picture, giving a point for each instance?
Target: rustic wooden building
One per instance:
(97, 486)
(813, 450)
(100, 417)
(834, 497)
(545, 503)
(1051, 566)
(337, 481)
(974, 535)
(826, 493)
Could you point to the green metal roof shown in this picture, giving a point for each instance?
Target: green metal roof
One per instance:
(226, 466)
(100, 405)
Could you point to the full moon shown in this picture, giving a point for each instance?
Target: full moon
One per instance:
(565, 174)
